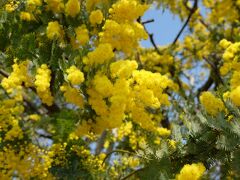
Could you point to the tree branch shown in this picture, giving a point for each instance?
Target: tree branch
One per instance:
(132, 173)
(3, 73)
(150, 35)
(192, 11)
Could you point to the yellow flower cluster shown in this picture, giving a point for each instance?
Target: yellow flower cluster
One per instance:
(26, 16)
(123, 36)
(163, 131)
(96, 17)
(130, 161)
(123, 68)
(102, 54)
(82, 129)
(56, 6)
(92, 4)
(11, 6)
(191, 172)
(34, 2)
(132, 92)
(28, 162)
(212, 104)
(127, 10)
(231, 63)
(136, 138)
(109, 116)
(88, 160)
(75, 76)
(54, 30)
(221, 11)
(10, 112)
(235, 96)
(19, 75)
(151, 60)
(82, 36)
(72, 8)
(124, 130)
(72, 95)
(230, 56)
(42, 83)
(148, 93)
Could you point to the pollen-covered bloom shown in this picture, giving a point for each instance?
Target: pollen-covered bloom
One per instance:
(96, 17)
(72, 8)
(212, 104)
(123, 68)
(72, 95)
(54, 30)
(19, 75)
(82, 36)
(122, 36)
(25, 16)
(42, 84)
(56, 6)
(102, 54)
(191, 172)
(235, 96)
(127, 10)
(75, 76)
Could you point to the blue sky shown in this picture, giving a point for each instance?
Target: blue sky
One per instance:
(165, 26)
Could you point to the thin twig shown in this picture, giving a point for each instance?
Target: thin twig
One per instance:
(132, 173)
(150, 35)
(148, 21)
(192, 11)
(4, 73)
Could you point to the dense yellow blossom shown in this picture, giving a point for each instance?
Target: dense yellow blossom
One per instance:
(34, 2)
(56, 6)
(91, 4)
(82, 129)
(191, 172)
(222, 11)
(102, 54)
(26, 16)
(28, 162)
(127, 10)
(224, 43)
(75, 76)
(54, 30)
(235, 96)
(110, 115)
(82, 36)
(72, 8)
(42, 83)
(124, 36)
(123, 68)
(19, 75)
(124, 130)
(163, 131)
(34, 117)
(230, 57)
(11, 6)
(73, 95)
(212, 104)
(110, 94)
(235, 79)
(96, 17)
